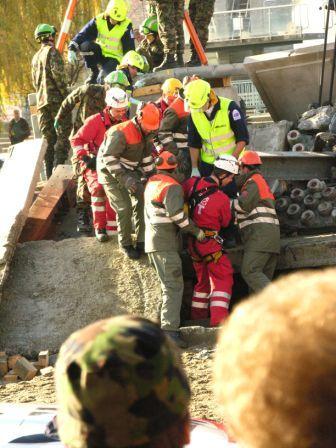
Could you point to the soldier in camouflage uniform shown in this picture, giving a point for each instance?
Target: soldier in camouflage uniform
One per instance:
(151, 46)
(120, 384)
(49, 81)
(201, 12)
(170, 18)
(90, 99)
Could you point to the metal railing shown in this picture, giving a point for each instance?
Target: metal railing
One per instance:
(248, 92)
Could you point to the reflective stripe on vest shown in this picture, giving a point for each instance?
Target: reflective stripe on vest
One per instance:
(260, 214)
(217, 135)
(110, 40)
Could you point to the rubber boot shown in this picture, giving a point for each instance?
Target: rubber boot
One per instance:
(92, 79)
(83, 220)
(131, 252)
(167, 63)
(140, 247)
(179, 59)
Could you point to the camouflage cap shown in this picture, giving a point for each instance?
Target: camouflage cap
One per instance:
(119, 384)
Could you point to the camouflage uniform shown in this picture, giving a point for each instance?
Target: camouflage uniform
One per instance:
(49, 81)
(152, 51)
(170, 18)
(91, 100)
(201, 12)
(119, 384)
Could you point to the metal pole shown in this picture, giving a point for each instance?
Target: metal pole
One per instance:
(332, 73)
(66, 25)
(324, 54)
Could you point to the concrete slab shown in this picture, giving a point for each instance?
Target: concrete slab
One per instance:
(197, 335)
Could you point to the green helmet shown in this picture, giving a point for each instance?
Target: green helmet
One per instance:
(44, 30)
(133, 58)
(117, 77)
(149, 26)
(119, 383)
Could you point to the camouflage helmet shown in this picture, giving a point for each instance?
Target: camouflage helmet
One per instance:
(117, 77)
(119, 384)
(44, 30)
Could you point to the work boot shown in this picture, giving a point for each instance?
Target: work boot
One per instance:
(131, 252)
(83, 220)
(179, 59)
(101, 235)
(140, 247)
(168, 62)
(176, 337)
(92, 79)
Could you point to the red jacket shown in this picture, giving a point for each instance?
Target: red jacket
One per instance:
(91, 135)
(212, 213)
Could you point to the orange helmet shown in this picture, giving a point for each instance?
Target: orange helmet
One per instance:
(149, 116)
(250, 158)
(166, 161)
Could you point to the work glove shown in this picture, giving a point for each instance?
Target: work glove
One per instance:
(56, 125)
(72, 57)
(201, 235)
(140, 83)
(90, 162)
(195, 172)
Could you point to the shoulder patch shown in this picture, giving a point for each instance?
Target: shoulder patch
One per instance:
(236, 115)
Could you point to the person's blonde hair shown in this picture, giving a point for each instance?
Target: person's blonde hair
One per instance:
(275, 368)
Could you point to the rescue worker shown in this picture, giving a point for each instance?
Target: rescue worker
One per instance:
(201, 12)
(18, 128)
(120, 383)
(164, 217)
(170, 19)
(151, 46)
(86, 144)
(49, 80)
(123, 163)
(170, 90)
(258, 224)
(216, 127)
(173, 132)
(104, 40)
(131, 64)
(210, 209)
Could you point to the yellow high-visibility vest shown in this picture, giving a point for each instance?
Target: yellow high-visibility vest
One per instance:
(110, 41)
(217, 135)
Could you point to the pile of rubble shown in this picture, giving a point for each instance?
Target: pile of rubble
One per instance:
(16, 367)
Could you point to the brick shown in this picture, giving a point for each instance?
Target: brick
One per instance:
(11, 377)
(24, 369)
(47, 371)
(12, 360)
(43, 358)
(3, 365)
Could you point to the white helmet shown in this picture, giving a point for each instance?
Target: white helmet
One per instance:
(227, 163)
(116, 98)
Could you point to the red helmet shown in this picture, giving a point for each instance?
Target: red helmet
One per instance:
(166, 161)
(149, 116)
(250, 158)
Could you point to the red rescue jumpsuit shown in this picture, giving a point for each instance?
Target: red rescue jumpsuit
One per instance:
(214, 278)
(86, 142)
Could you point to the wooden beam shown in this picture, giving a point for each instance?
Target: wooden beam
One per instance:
(18, 178)
(147, 90)
(42, 211)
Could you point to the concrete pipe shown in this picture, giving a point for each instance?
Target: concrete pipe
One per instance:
(314, 185)
(325, 208)
(294, 211)
(297, 195)
(329, 194)
(323, 185)
(282, 204)
(298, 147)
(310, 202)
(307, 218)
(294, 137)
(333, 215)
(317, 195)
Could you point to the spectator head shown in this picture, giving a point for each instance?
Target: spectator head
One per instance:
(120, 384)
(275, 368)
(16, 114)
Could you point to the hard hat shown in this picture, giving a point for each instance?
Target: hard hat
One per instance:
(148, 115)
(197, 93)
(44, 30)
(116, 98)
(149, 26)
(133, 58)
(227, 163)
(166, 161)
(117, 10)
(250, 158)
(171, 86)
(117, 77)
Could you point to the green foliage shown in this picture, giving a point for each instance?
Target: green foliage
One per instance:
(18, 20)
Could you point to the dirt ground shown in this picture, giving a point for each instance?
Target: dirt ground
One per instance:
(197, 362)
